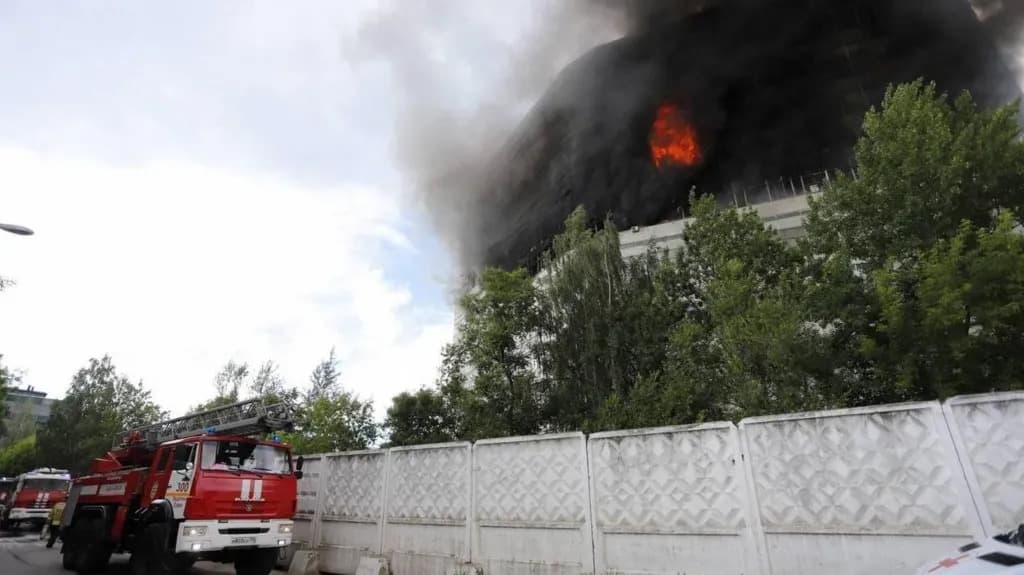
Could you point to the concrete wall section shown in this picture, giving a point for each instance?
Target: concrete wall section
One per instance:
(875, 490)
(308, 502)
(531, 506)
(671, 500)
(989, 434)
(426, 528)
(351, 509)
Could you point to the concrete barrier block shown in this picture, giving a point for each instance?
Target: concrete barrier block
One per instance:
(373, 566)
(304, 562)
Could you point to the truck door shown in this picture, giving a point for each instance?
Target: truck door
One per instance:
(157, 477)
(179, 481)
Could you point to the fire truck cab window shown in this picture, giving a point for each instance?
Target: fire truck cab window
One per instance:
(46, 484)
(182, 455)
(245, 456)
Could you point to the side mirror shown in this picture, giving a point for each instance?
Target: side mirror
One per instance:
(188, 469)
(298, 467)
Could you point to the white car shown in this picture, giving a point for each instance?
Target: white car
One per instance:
(1000, 555)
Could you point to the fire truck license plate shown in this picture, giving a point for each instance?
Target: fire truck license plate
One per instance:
(243, 540)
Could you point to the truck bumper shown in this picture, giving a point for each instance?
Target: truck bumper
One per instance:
(196, 536)
(28, 514)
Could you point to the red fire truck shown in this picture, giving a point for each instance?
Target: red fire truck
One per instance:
(200, 487)
(30, 496)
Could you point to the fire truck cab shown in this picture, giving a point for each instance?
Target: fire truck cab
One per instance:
(32, 495)
(203, 487)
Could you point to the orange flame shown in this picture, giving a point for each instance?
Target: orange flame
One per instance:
(673, 140)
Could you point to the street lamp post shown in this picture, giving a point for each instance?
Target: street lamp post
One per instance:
(15, 229)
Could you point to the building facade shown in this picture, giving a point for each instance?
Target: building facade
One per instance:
(783, 214)
(28, 403)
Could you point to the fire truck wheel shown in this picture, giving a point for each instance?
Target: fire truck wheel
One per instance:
(68, 558)
(152, 555)
(92, 552)
(256, 562)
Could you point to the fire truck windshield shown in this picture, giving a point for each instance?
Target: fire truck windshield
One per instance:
(245, 456)
(46, 484)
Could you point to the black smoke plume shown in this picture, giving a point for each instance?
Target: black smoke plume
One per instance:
(773, 88)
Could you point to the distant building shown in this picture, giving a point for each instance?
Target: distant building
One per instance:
(783, 214)
(22, 402)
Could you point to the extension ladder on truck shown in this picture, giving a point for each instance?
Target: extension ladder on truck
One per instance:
(250, 417)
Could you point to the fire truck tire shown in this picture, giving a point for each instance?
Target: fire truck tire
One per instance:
(256, 562)
(92, 553)
(153, 555)
(68, 558)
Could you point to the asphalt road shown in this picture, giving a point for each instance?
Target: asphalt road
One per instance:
(25, 554)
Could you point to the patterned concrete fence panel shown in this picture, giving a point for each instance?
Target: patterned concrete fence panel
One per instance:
(989, 434)
(874, 490)
(426, 528)
(672, 500)
(351, 509)
(531, 506)
(308, 502)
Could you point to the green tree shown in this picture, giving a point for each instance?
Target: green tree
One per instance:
(336, 421)
(606, 322)
(737, 342)
(19, 456)
(330, 418)
(270, 385)
(954, 322)
(8, 379)
(236, 381)
(924, 165)
(99, 403)
(418, 418)
(585, 342)
(19, 427)
(497, 335)
(324, 379)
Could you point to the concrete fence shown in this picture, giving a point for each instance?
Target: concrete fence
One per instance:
(870, 490)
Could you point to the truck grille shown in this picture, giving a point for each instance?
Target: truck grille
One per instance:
(243, 530)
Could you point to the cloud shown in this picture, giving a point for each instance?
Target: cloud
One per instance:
(174, 267)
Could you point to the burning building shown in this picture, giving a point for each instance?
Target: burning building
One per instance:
(714, 94)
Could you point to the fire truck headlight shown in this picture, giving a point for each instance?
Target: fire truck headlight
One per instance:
(198, 531)
(285, 528)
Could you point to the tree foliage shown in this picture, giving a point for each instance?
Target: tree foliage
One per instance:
(908, 286)
(99, 403)
(8, 379)
(324, 379)
(924, 165)
(330, 418)
(19, 456)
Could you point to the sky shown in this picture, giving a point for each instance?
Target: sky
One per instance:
(217, 181)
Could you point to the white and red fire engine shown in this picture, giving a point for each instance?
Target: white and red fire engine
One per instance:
(200, 487)
(29, 497)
